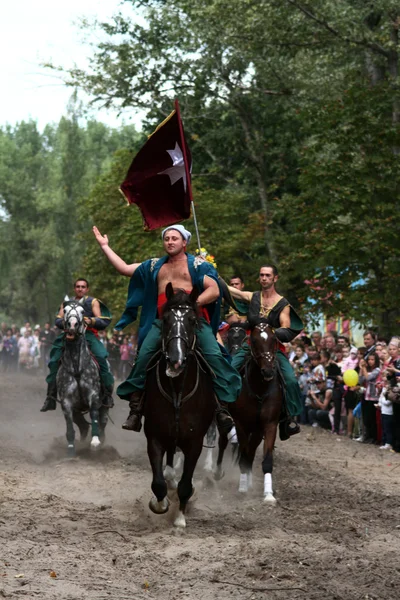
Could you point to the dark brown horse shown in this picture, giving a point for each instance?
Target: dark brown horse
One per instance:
(180, 401)
(257, 410)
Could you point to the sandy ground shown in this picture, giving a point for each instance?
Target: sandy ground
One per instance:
(335, 532)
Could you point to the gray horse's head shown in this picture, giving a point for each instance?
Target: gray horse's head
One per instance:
(74, 324)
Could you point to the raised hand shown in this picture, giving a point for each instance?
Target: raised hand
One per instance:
(102, 240)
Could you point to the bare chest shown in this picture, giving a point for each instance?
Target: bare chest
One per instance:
(175, 273)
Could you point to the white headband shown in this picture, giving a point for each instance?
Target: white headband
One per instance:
(184, 232)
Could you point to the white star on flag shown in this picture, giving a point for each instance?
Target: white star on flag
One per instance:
(177, 171)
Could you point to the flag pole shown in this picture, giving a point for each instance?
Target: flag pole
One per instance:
(187, 171)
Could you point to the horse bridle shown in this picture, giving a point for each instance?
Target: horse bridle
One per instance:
(74, 309)
(262, 327)
(178, 321)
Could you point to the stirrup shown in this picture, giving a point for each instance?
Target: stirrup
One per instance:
(287, 428)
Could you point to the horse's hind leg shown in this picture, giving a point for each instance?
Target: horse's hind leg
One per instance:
(170, 472)
(222, 444)
(185, 486)
(82, 424)
(67, 410)
(94, 415)
(160, 503)
(267, 463)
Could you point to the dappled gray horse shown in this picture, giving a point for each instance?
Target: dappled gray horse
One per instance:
(78, 381)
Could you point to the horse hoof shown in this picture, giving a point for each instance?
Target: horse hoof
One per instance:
(269, 499)
(71, 451)
(219, 474)
(95, 443)
(159, 508)
(180, 521)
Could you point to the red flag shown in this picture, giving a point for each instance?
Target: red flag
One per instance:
(158, 180)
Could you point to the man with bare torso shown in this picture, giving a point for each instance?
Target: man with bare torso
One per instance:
(270, 307)
(147, 290)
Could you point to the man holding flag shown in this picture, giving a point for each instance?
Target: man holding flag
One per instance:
(147, 290)
(158, 181)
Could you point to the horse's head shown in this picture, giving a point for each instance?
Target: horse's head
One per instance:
(263, 347)
(179, 322)
(74, 324)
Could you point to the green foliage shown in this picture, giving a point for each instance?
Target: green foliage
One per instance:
(291, 110)
(44, 177)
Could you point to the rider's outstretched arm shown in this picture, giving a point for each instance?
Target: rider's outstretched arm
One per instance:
(239, 295)
(116, 261)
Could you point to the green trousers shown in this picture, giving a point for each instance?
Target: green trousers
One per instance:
(96, 348)
(293, 395)
(227, 382)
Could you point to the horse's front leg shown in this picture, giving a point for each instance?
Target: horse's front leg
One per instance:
(69, 419)
(246, 460)
(267, 463)
(95, 416)
(170, 472)
(185, 486)
(159, 504)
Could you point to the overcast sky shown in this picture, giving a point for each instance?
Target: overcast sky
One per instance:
(35, 31)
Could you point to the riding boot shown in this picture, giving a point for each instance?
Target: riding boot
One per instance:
(108, 399)
(134, 420)
(51, 399)
(223, 418)
(287, 428)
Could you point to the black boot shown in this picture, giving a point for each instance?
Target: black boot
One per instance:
(134, 420)
(223, 418)
(287, 428)
(51, 399)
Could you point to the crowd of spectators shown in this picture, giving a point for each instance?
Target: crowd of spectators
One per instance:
(28, 348)
(368, 412)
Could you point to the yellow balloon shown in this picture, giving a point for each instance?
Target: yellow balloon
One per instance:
(350, 377)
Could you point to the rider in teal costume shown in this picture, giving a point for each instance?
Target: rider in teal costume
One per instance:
(144, 290)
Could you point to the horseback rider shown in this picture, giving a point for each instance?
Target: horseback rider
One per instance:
(237, 317)
(97, 317)
(269, 307)
(147, 290)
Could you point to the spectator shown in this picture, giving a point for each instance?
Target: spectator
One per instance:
(25, 344)
(299, 357)
(303, 380)
(330, 342)
(316, 338)
(391, 370)
(46, 339)
(9, 351)
(369, 342)
(369, 371)
(125, 351)
(114, 354)
(318, 414)
(386, 407)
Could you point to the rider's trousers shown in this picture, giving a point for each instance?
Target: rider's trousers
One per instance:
(293, 393)
(96, 348)
(226, 383)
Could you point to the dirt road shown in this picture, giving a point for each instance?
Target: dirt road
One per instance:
(334, 534)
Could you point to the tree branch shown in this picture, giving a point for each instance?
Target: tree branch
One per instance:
(371, 45)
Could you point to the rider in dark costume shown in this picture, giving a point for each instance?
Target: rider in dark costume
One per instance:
(97, 317)
(269, 307)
